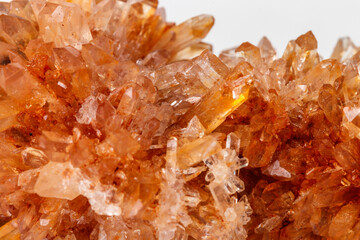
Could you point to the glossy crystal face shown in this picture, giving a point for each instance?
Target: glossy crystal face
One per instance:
(115, 124)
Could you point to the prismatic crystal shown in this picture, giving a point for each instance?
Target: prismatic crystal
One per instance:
(115, 124)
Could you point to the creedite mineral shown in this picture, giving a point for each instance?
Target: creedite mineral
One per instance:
(115, 124)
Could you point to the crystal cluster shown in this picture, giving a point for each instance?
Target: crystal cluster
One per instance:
(115, 124)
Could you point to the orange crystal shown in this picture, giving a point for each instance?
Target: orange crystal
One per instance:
(115, 124)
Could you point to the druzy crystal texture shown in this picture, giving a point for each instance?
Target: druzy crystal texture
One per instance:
(116, 124)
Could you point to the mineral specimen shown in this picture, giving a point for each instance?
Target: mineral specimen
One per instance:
(115, 124)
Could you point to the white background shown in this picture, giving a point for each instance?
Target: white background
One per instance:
(237, 21)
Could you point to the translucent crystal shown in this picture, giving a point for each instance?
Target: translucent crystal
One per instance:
(212, 116)
(266, 48)
(103, 199)
(172, 211)
(62, 23)
(34, 157)
(344, 49)
(58, 180)
(196, 151)
(233, 142)
(116, 124)
(177, 37)
(87, 112)
(9, 30)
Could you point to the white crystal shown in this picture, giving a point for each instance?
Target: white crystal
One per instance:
(87, 112)
(276, 170)
(351, 113)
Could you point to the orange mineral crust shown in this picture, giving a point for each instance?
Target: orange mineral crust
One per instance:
(115, 124)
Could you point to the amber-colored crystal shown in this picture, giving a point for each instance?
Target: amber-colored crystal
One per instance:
(115, 124)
